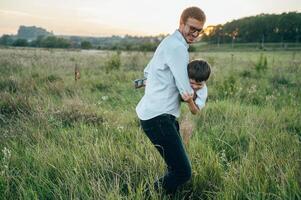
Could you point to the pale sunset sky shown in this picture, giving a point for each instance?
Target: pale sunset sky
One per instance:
(120, 17)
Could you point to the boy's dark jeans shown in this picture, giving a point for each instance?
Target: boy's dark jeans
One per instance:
(163, 132)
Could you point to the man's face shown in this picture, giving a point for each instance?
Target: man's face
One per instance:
(196, 85)
(191, 29)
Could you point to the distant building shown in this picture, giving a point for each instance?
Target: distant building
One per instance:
(32, 32)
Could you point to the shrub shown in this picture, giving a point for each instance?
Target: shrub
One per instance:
(227, 87)
(262, 64)
(113, 63)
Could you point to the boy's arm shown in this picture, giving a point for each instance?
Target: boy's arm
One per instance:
(196, 101)
(194, 109)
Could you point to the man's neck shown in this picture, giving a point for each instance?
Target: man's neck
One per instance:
(183, 36)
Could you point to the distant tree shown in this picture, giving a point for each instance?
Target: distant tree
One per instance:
(62, 43)
(54, 42)
(148, 46)
(260, 28)
(20, 42)
(49, 42)
(86, 45)
(6, 40)
(37, 42)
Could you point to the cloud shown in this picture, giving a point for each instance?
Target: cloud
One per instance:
(15, 13)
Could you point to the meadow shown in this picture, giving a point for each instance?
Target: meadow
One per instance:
(67, 139)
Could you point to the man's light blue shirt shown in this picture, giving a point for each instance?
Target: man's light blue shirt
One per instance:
(167, 77)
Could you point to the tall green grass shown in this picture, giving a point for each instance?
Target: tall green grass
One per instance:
(61, 139)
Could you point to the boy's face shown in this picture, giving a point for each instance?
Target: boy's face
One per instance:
(196, 85)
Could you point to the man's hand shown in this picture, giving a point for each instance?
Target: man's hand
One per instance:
(187, 97)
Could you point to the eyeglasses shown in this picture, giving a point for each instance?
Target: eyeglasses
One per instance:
(194, 30)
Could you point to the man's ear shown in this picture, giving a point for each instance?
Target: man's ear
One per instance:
(181, 24)
(181, 21)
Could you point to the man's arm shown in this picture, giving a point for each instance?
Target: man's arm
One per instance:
(177, 60)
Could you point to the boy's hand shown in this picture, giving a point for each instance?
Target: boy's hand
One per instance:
(187, 97)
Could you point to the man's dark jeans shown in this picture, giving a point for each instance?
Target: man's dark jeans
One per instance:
(163, 132)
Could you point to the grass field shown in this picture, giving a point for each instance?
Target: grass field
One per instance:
(235, 46)
(61, 139)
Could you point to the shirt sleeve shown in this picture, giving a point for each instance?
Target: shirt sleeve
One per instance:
(177, 60)
(201, 97)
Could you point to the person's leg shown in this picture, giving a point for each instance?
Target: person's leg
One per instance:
(163, 133)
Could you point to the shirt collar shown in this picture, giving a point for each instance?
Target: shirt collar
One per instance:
(179, 35)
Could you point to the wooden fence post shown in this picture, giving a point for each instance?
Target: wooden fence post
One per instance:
(76, 72)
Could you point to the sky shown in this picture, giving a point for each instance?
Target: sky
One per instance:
(120, 17)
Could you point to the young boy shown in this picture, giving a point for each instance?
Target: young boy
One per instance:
(198, 73)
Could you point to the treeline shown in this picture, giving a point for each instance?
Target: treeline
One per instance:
(285, 27)
(127, 43)
(41, 41)
(32, 36)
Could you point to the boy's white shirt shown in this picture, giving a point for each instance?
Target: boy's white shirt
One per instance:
(201, 97)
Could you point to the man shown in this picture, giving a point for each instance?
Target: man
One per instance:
(167, 80)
